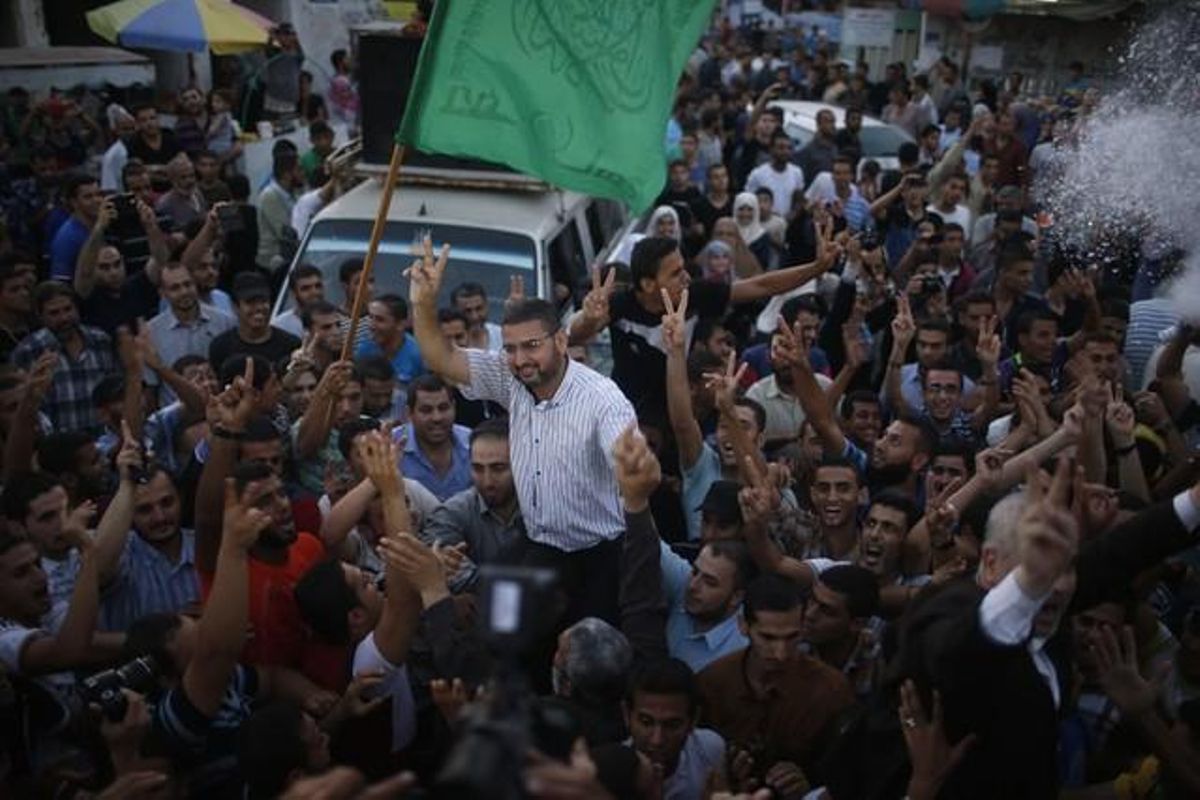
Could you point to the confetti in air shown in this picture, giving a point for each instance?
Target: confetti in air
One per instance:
(1136, 167)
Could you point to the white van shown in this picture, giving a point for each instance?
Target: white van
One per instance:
(547, 236)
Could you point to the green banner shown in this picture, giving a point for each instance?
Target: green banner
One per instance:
(575, 92)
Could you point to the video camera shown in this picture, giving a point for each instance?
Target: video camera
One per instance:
(516, 611)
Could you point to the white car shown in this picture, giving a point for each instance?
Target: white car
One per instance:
(880, 141)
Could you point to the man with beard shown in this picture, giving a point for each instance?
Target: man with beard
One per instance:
(187, 327)
(776, 394)
(437, 453)
(337, 401)
(486, 517)
(836, 492)
(157, 568)
(253, 334)
(281, 555)
(85, 356)
(568, 415)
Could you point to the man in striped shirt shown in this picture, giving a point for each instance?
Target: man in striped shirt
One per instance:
(564, 420)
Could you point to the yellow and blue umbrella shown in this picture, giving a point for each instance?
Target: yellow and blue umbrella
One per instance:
(184, 25)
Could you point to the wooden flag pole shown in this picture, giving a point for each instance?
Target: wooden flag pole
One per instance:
(360, 291)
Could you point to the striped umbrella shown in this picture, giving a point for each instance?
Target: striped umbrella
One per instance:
(183, 25)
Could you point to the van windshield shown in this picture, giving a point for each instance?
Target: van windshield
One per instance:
(489, 258)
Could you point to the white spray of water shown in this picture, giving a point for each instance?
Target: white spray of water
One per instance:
(1136, 168)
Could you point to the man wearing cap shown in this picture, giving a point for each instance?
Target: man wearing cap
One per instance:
(253, 334)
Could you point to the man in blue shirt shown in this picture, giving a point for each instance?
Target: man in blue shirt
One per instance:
(437, 453)
(388, 314)
(83, 197)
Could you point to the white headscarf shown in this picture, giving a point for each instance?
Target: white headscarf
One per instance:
(750, 233)
(659, 213)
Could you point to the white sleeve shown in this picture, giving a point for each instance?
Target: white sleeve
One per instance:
(1006, 613)
(1186, 510)
(490, 378)
(13, 638)
(367, 658)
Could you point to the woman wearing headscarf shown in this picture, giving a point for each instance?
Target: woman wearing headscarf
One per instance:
(750, 227)
(716, 262)
(745, 263)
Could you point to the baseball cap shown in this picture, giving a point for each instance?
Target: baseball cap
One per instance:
(251, 286)
(722, 503)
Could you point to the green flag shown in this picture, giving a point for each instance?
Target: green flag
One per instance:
(575, 92)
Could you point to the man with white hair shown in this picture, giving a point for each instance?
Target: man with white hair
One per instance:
(590, 669)
(989, 646)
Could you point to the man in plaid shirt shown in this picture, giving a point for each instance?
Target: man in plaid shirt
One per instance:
(85, 356)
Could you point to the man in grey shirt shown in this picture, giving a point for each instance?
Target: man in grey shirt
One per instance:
(187, 326)
(487, 517)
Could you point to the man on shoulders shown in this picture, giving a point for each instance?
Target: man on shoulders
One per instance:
(570, 416)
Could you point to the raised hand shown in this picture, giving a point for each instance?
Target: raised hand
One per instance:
(127, 351)
(1151, 410)
(516, 290)
(129, 458)
(725, 385)
(425, 274)
(355, 702)
(242, 524)
(853, 346)
(450, 697)
(1047, 532)
(415, 560)
(941, 515)
(232, 408)
(107, 214)
(988, 346)
(380, 457)
(760, 498)
(595, 303)
(904, 328)
(1119, 419)
(637, 469)
(786, 347)
(933, 757)
(1117, 671)
(41, 375)
(989, 467)
(674, 323)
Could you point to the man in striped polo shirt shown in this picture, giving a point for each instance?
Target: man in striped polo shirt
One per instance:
(564, 420)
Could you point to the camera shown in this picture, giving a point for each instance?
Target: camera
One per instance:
(230, 217)
(869, 240)
(930, 284)
(105, 688)
(516, 611)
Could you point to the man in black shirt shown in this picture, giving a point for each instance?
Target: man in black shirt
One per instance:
(253, 335)
(152, 145)
(634, 316)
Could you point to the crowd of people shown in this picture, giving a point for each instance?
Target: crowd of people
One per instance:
(890, 492)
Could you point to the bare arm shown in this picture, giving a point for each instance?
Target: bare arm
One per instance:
(346, 513)
(204, 240)
(23, 429)
(1120, 421)
(85, 264)
(221, 631)
(903, 330)
(988, 351)
(156, 240)
(884, 201)
(402, 607)
(594, 316)
(313, 431)
(113, 529)
(1170, 361)
(425, 279)
(688, 436)
(228, 415)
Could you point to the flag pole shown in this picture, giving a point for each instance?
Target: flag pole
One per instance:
(364, 277)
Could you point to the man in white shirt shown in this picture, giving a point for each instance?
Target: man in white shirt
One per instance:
(950, 206)
(780, 175)
(569, 417)
(117, 155)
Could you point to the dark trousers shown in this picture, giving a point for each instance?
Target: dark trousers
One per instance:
(590, 579)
